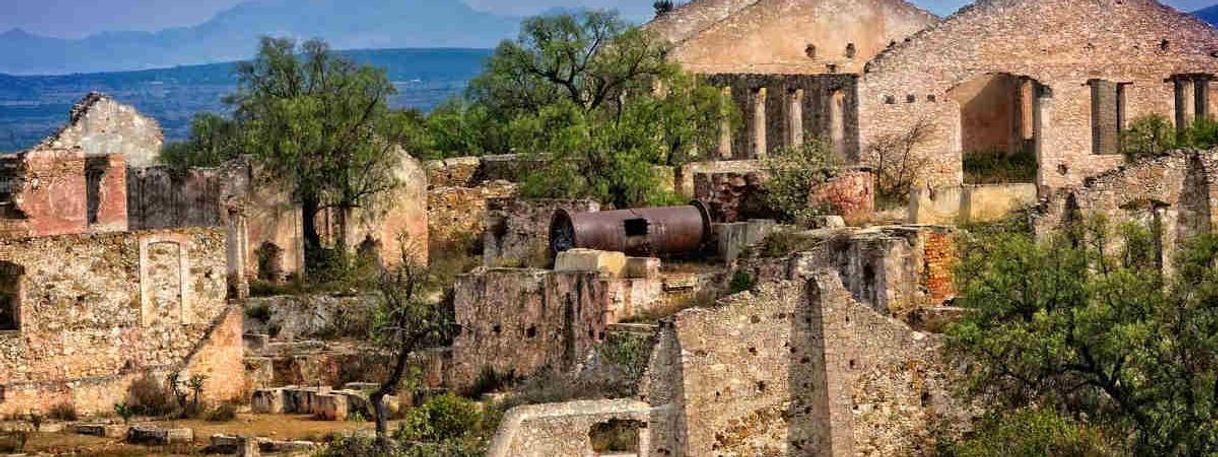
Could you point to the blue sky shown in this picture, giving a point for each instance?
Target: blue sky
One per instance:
(77, 18)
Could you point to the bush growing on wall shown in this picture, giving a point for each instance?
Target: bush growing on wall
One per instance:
(1155, 134)
(792, 173)
(897, 164)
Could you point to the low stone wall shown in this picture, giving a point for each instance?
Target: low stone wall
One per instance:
(303, 317)
(96, 312)
(969, 203)
(518, 230)
(562, 429)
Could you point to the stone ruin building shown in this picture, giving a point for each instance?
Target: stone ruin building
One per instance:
(1059, 79)
(113, 268)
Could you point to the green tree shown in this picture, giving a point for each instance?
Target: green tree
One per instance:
(792, 173)
(595, 101)
(321, 124)
(405, 321)
(1086, 323)
(213, 140)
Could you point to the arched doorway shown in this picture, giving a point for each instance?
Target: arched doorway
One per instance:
(999, 131)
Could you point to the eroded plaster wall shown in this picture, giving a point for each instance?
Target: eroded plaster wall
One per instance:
(786, 36)
(518, 230)
(101, 126)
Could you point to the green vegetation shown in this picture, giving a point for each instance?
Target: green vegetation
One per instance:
(1155, 134)
(1079, 343)
(898, 165)
(213, 140)
(595, 101)
(997, 166)
(443, 426)
(792, 174)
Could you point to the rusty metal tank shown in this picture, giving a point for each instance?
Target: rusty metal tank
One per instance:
(637, 232)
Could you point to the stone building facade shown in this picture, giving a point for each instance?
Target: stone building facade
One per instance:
(1061, 78)
(101, 126)
(87, 314)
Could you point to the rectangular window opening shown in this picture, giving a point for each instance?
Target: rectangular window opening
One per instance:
(636, 227)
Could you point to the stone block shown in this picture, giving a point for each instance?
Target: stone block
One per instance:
(255, 342)
(734, 238)
(158, 436)
(268, 401)
(604, 262)
(330, 406)
(101, 430)
(642, 267)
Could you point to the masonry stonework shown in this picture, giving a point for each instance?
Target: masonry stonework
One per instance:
(1060, 51)
(97, 311)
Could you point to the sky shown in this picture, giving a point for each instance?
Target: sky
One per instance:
(79, 18)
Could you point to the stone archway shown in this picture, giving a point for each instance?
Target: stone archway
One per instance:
(999, 128)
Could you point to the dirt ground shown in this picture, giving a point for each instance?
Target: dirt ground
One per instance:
(277, 427)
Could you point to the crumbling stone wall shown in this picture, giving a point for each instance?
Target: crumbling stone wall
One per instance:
(518, 230)
(101, 126)
(785, 36)
(970, 203)
(1124, 51)
(61, 191)
(1175, 192)
(739, 196)
(456, 216)
(397, 222)
(795, 368)
(109, 308)
(562, 429)
(519, 321)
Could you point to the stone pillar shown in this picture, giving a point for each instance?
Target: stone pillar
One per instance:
(795, 117)
(1103, 117)
(757, 124)
(837, 123)
(1201, 93)
(725, 131)
(1185, 102)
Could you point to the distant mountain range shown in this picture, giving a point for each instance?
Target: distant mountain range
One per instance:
(1209, 15)
(232, 35)
(32, 107)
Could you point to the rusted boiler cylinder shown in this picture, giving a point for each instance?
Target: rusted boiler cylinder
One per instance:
(636, 232)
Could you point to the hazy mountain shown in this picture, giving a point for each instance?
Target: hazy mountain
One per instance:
(1209, 15)
(233, 34)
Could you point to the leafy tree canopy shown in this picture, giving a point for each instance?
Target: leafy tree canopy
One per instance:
(1085, 323)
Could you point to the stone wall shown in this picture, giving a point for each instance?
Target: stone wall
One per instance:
(786, 36)
(519, 321)
(518, 230)
(61, 191)
(97, 311)
(739, 196)
(1176, 192)
(795, 368)
(397, 222)
(456, 216)
(101, 126)
(1074, 61)
(563, 429)
(969, 203)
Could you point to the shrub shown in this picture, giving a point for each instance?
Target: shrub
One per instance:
(223, 413)
(64, 411)
(441, 419)
(792, 174)
(898, 166)
(149, 397)
(1030, 432)
(741, 281)
(124, 411)
(258, 311)
(997, 166)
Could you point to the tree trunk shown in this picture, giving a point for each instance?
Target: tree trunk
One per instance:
(343, 222)
(390, 386)
(309, 207)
